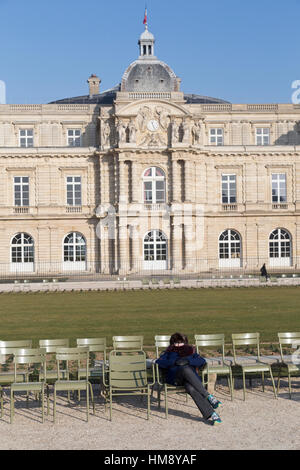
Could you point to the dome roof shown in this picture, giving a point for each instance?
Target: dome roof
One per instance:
(149, 75)
(147, 36)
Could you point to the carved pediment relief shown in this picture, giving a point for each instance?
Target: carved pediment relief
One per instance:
(152, 121)
(151, 124)
(134, 108)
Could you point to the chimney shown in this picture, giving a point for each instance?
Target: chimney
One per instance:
(94, 85)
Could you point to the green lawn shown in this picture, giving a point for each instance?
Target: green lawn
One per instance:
(149, 312)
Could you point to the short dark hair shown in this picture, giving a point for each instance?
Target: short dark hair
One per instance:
(178, 338)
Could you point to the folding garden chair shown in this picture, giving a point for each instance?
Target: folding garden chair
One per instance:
(97, 366)
(250, 364)
(51, 345)
(31, 358)
(289, 363)
(7, 376)
(77, 356)
(215, 365)
(127, 376)
(128, 342)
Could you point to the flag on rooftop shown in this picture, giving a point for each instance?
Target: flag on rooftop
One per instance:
(145, 17)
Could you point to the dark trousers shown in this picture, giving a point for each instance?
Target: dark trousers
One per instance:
(187, 378)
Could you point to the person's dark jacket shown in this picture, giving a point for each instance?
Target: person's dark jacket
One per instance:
(168, 360)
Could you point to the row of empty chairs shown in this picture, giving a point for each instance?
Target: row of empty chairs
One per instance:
(118, 372)
(87, 367)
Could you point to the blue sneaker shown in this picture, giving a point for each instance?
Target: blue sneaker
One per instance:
(214, 402)
(215, 418)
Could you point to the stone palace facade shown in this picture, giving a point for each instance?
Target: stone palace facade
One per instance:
(145, 178)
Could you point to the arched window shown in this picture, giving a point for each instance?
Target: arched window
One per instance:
(155, 250)
(154, 183)
(22, 253)
(230, 249)
(280, 248)
(74, 251)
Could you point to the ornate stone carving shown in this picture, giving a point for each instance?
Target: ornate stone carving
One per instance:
(105, 134)
(132, 132)
(163, 117)
(143, 117)
(196, 132)
(150, 124)
(121, 132)
(175, 133)
(186, 132)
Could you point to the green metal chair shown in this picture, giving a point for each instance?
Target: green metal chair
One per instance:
(78, 356)
(127, 376)
(288, 363)
(250, 364)
(7, 377)
(128, 342)
(161, 343)
(51, 345)
(97, 367)
(31, 358)
(216, 365)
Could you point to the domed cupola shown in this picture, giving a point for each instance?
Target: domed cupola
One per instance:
(146, 44)
(147, 73)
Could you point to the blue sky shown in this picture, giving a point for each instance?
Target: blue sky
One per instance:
(238, 50)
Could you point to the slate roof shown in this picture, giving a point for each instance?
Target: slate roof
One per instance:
(107, 98)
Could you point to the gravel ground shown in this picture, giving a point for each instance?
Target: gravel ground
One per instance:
(261, 422)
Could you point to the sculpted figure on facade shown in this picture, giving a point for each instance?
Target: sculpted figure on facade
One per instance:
(121, 131)
(105, 134)
(196, 132)
(143, 117)
(163, 117)
(186, 131)
(132, 132)
(175, 132)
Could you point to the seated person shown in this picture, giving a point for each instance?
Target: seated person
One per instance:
(182, 363)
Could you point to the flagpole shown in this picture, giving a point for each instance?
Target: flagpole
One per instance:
(146, 18)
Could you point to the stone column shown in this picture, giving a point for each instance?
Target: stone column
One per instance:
(176, 180)
(41, 250)
(136, 246)
(123, 248)
(189, 180)
(104, 180)
(176, 246)
(189, 249)
(124, 182)
(296, 246)
(136, 183)
(5, 251)
(105, 251)
(297, 186)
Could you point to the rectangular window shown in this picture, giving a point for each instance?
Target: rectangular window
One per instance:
(74, 137)
(74, 191)
(216, 136)
(228, 189)
(26, 137)
(279, 188)
(160, 191)
(21, 191)
(148, 192)
(262, 136)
